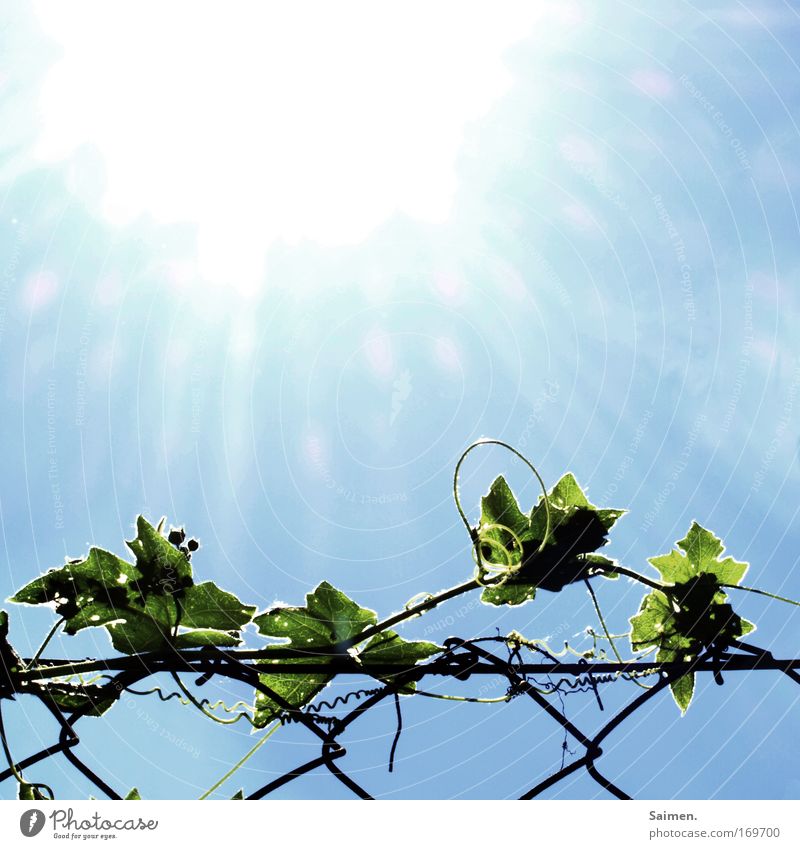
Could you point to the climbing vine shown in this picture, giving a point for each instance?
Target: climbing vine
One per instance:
(164, 622)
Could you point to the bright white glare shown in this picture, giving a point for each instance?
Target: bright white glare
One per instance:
(264, 121)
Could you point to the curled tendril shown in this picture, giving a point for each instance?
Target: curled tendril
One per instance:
(315, 710)
(500, 572)
(475, 536)
(205, 706)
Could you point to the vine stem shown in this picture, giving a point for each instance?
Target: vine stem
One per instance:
(10, 759)
(416, 610)
(610, 639)
(629, 573)
(761, 592)
(50, 634)
(240, 763)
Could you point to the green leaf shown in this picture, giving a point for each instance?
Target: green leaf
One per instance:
(500, 507)
(568, 493)
(701, 555)
(295, 689)
(207, 606)
(389, 647)
(673, 567)
(508, 593)
(239, 794)
(692, 614)
(90, 699)
(138, 603)
(328, 619)
(165, 570)
(145, 629)
(576, 530)
(649, 624)
(682, 688)
(97, 586)
(328, 622)
(205, 637)
(133, 796)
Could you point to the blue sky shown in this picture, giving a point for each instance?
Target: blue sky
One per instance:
(274, 298)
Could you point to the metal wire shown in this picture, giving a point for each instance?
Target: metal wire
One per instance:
(461, 660)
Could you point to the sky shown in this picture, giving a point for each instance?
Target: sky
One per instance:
(269, 273)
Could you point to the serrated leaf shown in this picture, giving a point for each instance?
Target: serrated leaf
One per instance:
(389, 647)
(568, 493)
(99, 585)
(674, 567)
(137, 633)
(295, 689)
(90, 699)
(328, 619)
(609, 516)
(207, 606)
(682, 688)
(511, 594)
(137, 603)
(649, 624)
(164, 569)
(500, 507)
(576, 530)
(701, 546)
(328, 622)
(702, 550)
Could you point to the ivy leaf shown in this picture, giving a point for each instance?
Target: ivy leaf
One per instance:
(145, 629)
(164, 569)
(323, 627)
(133, 796)
(86, 592)
(139, 603)
(692, 614)
(90, 699)
(682, 688)
(509, 593)
(328, 619)
(701, 555)
(500, 507)
(577, 529)
(207, 606)
(568, 493)
(389, 647)
(295, 689)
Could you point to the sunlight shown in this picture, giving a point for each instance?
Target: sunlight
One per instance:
(303, 121)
